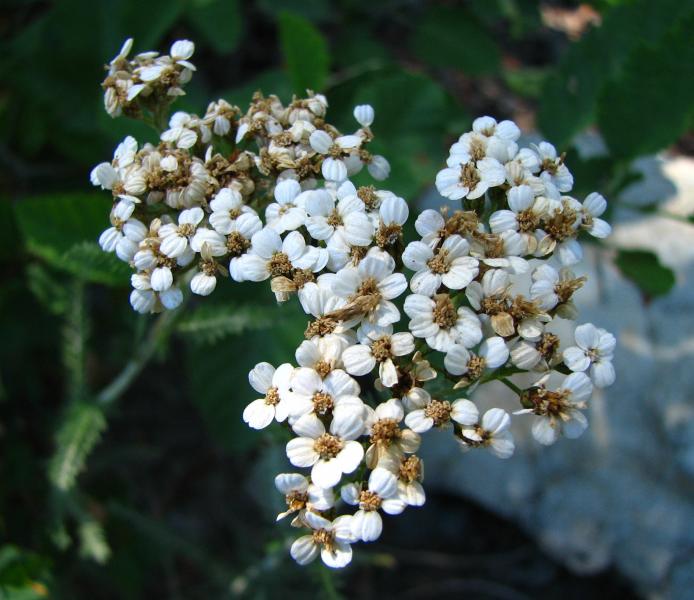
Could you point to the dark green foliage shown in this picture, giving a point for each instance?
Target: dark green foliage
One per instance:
(646, 271)
(452, 37)
(305, 53)
(571, 94)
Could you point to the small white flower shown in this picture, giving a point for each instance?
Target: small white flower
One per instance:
(552, 288)
(378, 167)
(410, 471)
(144, 299)
(347, 219)
(329, 454)
(301, 495)
(175, 239)
(430, 225)
(227, 206)
(440, 323)
(274, 384)
(382, 425)
(125, 232)
(288, 212)
(492, 433)
(492, 354)
(270, 256)
(594, 349)
(313, 395)
(438, 413)
(554, 173)
(470, 179)
(378, 346)
(334, 169)
(364, 114)
(449, 265)
(381, 493)
(322, 354)
(593, 206)
(371, 286)
(558, 411)
(330, 539)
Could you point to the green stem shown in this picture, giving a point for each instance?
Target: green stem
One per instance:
(161, 329)
(511, 386)
(326, 577)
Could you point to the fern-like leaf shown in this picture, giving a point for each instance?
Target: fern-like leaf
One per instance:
(79, 431)
(209, 324)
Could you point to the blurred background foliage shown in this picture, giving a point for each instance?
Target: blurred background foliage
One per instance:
(176, 500)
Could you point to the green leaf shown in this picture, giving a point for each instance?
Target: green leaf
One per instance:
(93, 544)
(656, 81)
(570, 95)
(52, 224)
(63, 229)
(305, 53)
(452, 37)
(218, 22)
(269, 82)
(78, 433)
(646, 271)
(209, 324)
(87, 261)
(51, 291)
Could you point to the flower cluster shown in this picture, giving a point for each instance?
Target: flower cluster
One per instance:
(266, 194)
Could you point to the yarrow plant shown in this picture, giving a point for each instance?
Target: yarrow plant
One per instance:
(266, 194)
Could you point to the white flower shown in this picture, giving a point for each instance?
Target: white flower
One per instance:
(382, 493)
(175, 239)
(558, 411)
(430, 225)
(125, 232)
(470, 179)
(382, 425)
(525, 214)
(181, 131)
(227, 206)
(371, 286)
(392, 215)
(145, 299)
(270, 256)
(593, 206)
(378, 167)
(330, 539)
(492, 354)
(555, 174)
(313, 395)
(301, 495)
(322, 354)
(594, 349)
(438, 413)
(334, 169)
(502, 251)
(492, 433)
(364, 114)
(328, 454)
(449, 265)
(318, 300)
(410, 471)
(442, 324)
(347, 219)
(274, 384)
(288, 213)
(552, 288)
(378, 345)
